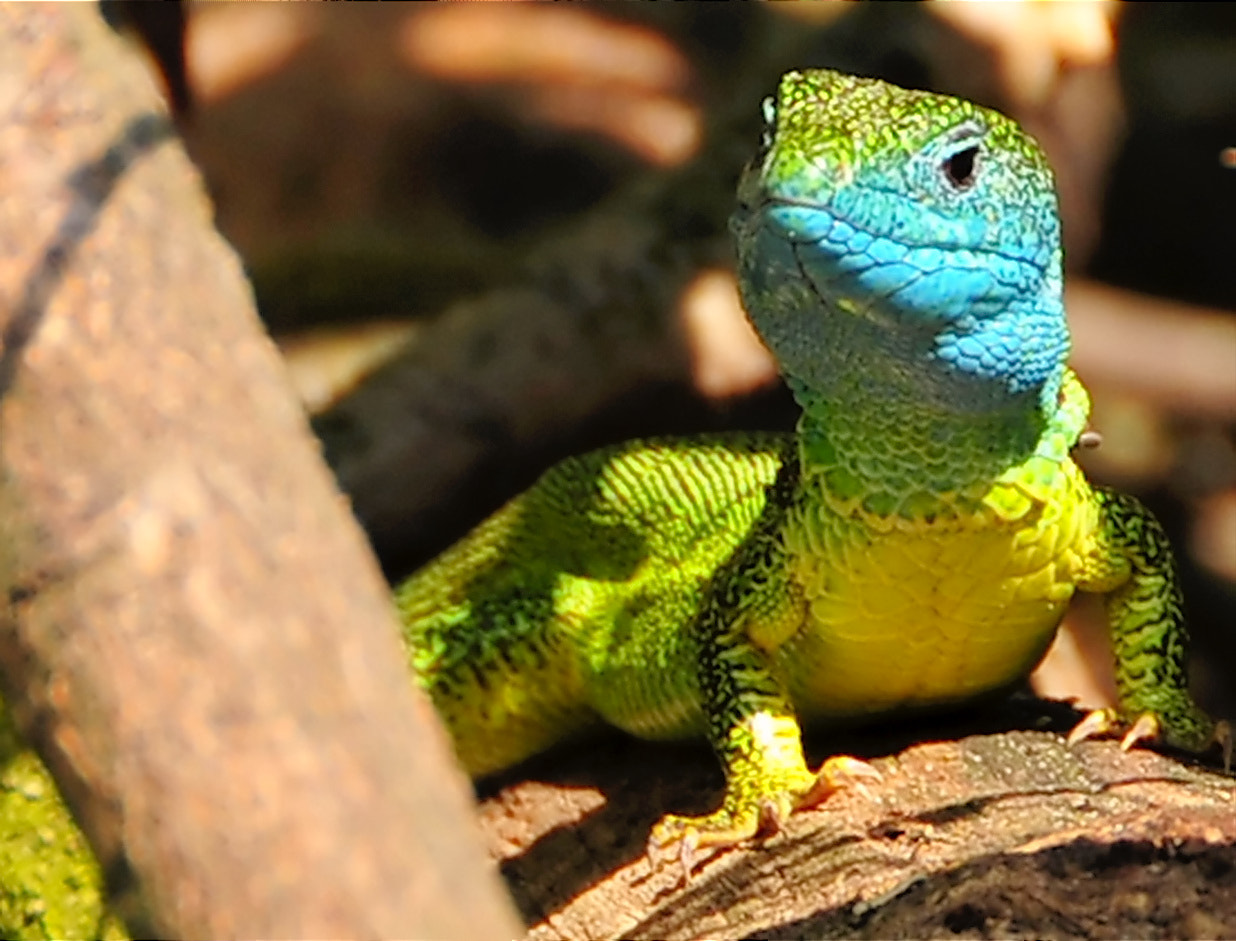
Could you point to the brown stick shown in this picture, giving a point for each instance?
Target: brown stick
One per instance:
(195, 636)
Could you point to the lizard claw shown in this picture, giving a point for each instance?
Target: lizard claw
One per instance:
(1149, 727)
(1097, 722)
(1146, 728)
(772, 817)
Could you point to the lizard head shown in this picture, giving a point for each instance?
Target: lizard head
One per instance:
(919, 228)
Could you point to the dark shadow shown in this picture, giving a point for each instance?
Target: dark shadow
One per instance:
(640, 782)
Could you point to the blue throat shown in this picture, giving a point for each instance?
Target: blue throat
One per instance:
(916, 367)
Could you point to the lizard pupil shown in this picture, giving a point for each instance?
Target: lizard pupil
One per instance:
(959, 167)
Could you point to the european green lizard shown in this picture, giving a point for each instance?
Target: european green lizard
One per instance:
(914, 544)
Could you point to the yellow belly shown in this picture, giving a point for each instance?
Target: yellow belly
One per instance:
(929, 613)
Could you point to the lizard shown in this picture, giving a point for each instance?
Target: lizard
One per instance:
(913, 544)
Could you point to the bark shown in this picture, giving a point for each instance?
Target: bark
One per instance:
(1004, 835)
(194, 636)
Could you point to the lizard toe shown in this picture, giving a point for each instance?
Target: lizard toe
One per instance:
(1190, 731)
(774, 810)
(1097, 722)
(677, 839)
(1147, 728)
(674, 839)
(839, 773)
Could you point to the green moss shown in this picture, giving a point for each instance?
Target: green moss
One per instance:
(50, 885)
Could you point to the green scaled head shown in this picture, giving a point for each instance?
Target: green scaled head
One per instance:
(912, 233)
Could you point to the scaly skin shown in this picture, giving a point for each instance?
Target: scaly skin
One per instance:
(914, 544)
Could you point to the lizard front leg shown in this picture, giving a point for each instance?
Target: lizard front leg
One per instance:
(1131, 564)
(751, 722)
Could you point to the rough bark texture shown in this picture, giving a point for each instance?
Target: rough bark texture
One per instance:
(192, 633)
(1005, 835)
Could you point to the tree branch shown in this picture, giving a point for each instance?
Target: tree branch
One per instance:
(194, 635)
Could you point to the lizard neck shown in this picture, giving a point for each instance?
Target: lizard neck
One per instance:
(897, 455)
(891, 427)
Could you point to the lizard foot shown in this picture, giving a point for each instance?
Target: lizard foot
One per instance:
(1150, 727)
(749, 812)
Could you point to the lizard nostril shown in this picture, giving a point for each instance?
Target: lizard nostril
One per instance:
(959, 167)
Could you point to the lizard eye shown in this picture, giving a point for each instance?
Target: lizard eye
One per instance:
(959, 167)
(961, 155)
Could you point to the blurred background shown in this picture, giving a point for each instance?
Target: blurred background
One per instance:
(490, 235)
